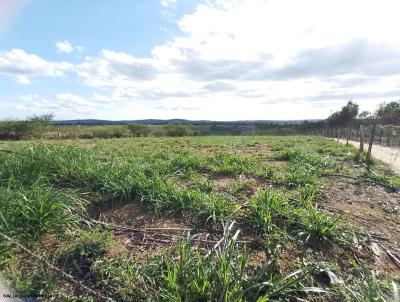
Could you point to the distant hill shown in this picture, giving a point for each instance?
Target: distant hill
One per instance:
(94, 122)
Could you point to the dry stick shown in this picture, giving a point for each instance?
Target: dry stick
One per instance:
(65, 276)
(361, 138)
(121, 229)
(142, 230)
(392, 256)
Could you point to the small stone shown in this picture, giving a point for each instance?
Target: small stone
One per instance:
(376, 249)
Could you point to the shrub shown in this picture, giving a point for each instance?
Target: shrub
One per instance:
(33, 126)
(15, 130)
(139, 130)
(178, 130)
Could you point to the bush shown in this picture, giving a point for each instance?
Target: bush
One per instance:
(108, 132)
(178, 130)
(15, 130)
(139, 130)
(33, 126)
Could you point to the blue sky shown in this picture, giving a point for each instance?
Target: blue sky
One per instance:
(211, 59)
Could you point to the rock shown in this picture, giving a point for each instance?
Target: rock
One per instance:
(376, 249)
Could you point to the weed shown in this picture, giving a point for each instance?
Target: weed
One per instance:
(30, 213)
(78, 256)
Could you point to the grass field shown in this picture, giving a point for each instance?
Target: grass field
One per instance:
(230, 218)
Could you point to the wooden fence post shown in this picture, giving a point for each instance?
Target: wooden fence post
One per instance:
(371, 141)
(399, 136)
(389, 135)
(361, 138)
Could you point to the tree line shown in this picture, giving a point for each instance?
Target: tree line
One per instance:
(349, 115)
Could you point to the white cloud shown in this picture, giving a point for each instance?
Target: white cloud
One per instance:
(249, 59)
(63, 104)
(23, 80)
(261, 52)
(64, 47)
(168, 3)
(17, 62)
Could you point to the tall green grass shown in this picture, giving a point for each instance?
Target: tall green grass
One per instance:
(44, 190)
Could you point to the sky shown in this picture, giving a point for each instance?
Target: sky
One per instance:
(196, 59)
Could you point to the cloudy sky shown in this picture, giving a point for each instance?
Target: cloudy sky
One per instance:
(196, 59)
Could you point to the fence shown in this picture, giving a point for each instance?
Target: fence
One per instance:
(367, 135)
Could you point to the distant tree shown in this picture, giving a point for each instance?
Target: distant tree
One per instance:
(334, 119)
(139, 129)
(42, 119)
(345, 116)
(178, 130)
(349, 112)
(389, 113)
(364, 115)
(38, 124)
(31, 127)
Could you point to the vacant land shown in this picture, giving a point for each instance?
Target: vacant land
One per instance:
(199, 219)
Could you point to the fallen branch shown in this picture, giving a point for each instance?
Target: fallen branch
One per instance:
(393, 257)
(137, 230)
(124, 230)
(83, 288)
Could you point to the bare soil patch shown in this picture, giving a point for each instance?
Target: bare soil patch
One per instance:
(243, 186)
(154, 233)
(253, 149)
(372, 209)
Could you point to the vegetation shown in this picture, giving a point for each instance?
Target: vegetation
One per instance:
(251, 204)
(345, 116)
(139, 130)
(389, 113)
(386, 114)
(32, 127)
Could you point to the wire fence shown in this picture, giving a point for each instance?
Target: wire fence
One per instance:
(384, 135)
(367, 135)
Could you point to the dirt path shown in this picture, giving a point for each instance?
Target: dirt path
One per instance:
(389, 155)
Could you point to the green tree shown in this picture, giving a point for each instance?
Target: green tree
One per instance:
(389, 113)
(345, 116)
(364, 115)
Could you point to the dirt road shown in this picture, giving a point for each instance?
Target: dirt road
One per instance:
(389, 155)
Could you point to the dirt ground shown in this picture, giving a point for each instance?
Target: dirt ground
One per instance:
(374, 211)
(389, 155)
